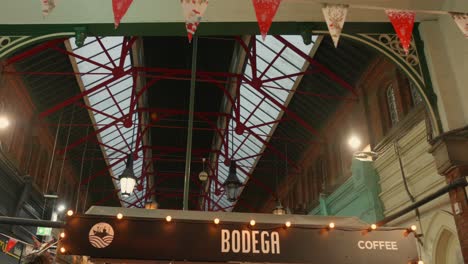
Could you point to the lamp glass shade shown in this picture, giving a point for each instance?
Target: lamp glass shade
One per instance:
(127, 184)
(232, 183)
(232, 191)
(279, 209)
(203, 176)
(127, 179)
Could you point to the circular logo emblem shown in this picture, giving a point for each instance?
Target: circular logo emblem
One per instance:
(101, 235)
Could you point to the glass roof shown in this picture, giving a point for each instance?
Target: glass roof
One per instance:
(249, 148)
(110, 104)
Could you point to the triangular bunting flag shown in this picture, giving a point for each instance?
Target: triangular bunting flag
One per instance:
(403, 22)
(193, 14)
(120, 8)
(47, 6)
(335, 16)
(461, 19)
(265, 11)
(11, 244)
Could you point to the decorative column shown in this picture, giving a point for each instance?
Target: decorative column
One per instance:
(450, 151)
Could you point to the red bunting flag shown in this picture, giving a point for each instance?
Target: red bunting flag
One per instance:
(335, 16)
(461, 19)
(120, 8)
(193, 14)
(403, 22)
(11, 244)
(47, 6)
(265, 11)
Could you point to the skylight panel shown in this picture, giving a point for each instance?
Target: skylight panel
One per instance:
(118, 138)
(258, 110)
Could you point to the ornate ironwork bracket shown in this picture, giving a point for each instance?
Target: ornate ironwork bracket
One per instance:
(11, 44)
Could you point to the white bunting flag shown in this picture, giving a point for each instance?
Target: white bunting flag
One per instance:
(193, 14)
(47, 6)
(461, 19)
(335, 16)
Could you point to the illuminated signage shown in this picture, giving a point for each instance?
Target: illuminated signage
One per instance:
(250, 241)
(203, 241)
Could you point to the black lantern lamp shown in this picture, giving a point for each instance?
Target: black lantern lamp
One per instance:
(232, 183)
(279, 209)
(127, 179)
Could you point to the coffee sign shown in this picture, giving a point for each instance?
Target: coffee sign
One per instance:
(199, 241)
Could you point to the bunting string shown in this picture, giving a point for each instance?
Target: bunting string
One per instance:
(265, 10)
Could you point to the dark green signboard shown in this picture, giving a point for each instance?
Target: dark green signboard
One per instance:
(147, 239)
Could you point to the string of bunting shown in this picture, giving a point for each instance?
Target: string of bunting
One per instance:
(265, 11)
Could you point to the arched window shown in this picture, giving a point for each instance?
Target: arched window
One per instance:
(392, 106)
(415, 96)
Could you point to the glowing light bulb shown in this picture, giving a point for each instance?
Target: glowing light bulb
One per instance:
(414, 228)
(373, 226)
(331, 225)
(4, 122)
(69, 212)
(61, 208)
(420, 262)
(288, 224)
(216, 220)
(252, 222)
(168, 218)
(119, 216)
(62, 235)
(354, 142)
(62, 249)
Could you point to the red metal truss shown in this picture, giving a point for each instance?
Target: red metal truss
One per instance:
(221, 80)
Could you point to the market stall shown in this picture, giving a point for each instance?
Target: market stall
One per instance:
(118, 235)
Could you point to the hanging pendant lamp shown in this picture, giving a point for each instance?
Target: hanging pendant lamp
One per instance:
(232, 183)
(127, 179)
(279, 209)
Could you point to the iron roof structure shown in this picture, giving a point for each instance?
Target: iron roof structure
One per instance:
(127, 95)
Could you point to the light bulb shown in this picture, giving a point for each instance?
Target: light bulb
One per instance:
(331, 225)
(4, 122)
(216, 220)
(119, 216)
(168, 218)
(373, 226)
(414, 228)
(62, 235)
(354, 142)
(69, 212)
(61, 208)
(420, 262)
(252, 222)
(288, 224)
(62, 249)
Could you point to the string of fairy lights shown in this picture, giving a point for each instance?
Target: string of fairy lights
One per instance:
(288, 224)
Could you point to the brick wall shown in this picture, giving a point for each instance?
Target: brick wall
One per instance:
(28, 142)
(327, 165)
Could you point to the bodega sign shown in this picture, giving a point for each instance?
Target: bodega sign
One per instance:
(250, 241)
(201, 241)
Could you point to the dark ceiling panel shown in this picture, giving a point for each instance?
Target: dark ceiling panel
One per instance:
(214, 54)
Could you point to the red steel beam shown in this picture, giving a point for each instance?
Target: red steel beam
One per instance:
(322, 67)
(33, 51)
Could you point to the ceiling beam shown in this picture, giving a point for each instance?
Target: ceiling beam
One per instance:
(178, 29)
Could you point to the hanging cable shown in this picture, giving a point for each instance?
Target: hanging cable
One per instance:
(81, 172)
(65, 154)
(405, 184)
(51, 163)
(87, 185)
